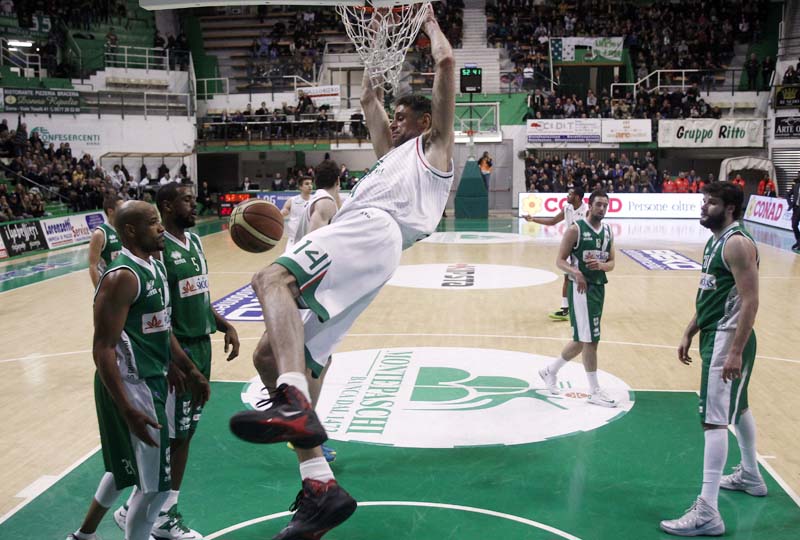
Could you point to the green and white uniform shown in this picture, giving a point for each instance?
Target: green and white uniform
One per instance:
(341, 268)
(192, 321)
(143, 355)
(111, 246)
(719, 306)
(586, 309)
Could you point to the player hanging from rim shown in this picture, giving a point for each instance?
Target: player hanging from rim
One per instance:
(294, 207)
(725, 311)
(193, 322)
(336, 271)
(132, 361)
(574, 209)
(586, 253)
(318, 212)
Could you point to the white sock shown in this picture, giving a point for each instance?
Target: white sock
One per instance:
(714, 456)
(564, 302)
(591, 376)
(557, 365)
(296, 379)
(316, 469)
(746, 435)
(131, 496)
(107, 492)
(142, 514)
(172, 500)
(84, 536)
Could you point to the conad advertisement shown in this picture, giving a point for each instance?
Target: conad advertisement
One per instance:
(620, 205)
(769, 211)
(85, 133)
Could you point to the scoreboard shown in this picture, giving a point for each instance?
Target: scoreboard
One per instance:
(229, 200)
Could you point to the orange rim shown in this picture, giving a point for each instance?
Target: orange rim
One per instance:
(395, 9)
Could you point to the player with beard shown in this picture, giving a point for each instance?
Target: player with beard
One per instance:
(725, 311)
(586, 253)
(193, 322)
(133, 346)
(337, 270)
(573, 210)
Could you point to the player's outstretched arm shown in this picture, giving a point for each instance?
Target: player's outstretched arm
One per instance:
(439, 150)
(552, 220)
(375, 116)
(96, 245)
(116, 292)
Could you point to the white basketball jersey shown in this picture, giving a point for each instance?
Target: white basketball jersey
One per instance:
(295, 215)
(403, 184)
(571, 215)
(305, 220)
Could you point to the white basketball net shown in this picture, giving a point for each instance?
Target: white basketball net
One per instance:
(382, 35)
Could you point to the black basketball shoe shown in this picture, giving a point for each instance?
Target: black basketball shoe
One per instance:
(290, 419)
(319, 507)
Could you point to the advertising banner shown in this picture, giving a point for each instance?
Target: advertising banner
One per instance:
(35, 100)
(567, 130)
(22, 237)
(71, 230)
(787, 97)
(600, 49)
(787, 127)
(86, 133)
(3, 252)
(708, 133)
(623, 131)
(769, 211)
(620, 205)
(323, 95)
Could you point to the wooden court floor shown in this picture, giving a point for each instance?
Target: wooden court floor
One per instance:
(46, 367)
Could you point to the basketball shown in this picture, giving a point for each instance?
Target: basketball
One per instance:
(256, 225)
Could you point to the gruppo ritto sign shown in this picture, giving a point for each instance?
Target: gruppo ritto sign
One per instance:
(700, 133)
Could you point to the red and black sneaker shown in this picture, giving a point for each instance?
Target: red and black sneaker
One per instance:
(319, 507)
(290, 419)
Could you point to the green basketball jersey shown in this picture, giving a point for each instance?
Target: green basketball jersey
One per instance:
(590, 245)
(143, 349)
(718, 303)
(187, 273)
(111, 244)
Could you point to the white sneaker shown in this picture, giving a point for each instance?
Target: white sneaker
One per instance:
(599, 397)
(699, 520)
(71, 536)
(550, 380)
(169, 526)
(741, 480)
(121, 516)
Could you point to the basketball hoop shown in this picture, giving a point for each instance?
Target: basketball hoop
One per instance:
(382, 33)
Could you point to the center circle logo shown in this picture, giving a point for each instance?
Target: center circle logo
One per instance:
(468, 276)
(432, 397)
(473, 237)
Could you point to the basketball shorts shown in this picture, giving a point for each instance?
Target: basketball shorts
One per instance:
(183, 418)
(722, 403)
(340, 269)
(585, 311)
(125, 456)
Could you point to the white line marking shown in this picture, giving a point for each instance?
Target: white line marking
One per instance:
(69, 469)
(789, 491)
(472, 509)
(36, 356)
(40, 282)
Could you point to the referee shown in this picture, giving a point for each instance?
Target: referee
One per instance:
(793, 198)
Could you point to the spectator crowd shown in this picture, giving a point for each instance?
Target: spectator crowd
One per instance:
(42, 172)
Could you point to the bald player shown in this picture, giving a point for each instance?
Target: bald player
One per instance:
(132, 350)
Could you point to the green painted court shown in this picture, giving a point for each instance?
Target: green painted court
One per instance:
(612, 483)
